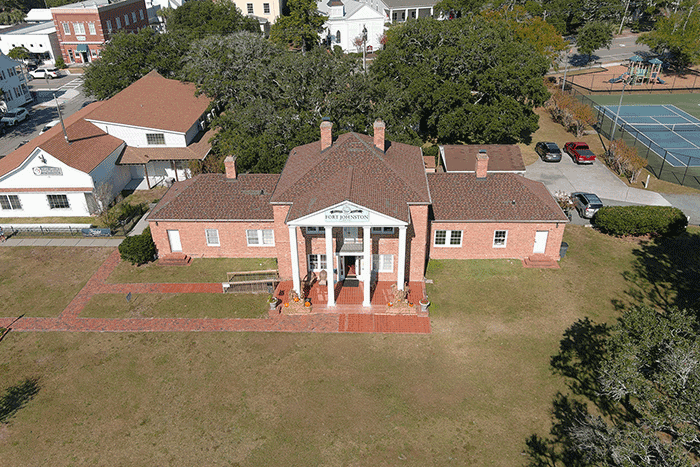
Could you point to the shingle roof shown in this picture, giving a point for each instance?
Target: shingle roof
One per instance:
(498, 197)
(88, 147)
(353, 169)
(154, 102)
(502, 157)
(215, 197)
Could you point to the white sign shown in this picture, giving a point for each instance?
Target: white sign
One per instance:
(346, 214)
(46, 170)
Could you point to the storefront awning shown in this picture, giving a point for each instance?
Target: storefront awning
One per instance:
(82, 48)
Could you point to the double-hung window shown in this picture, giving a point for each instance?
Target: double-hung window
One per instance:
(126, 20)
(119, 22)
(212, 236)
(383, 230)
(79, 29)
(315, 230)
(10, 202)
(250, 8)
(383, 263)
(109, 26)
(133, 17)
(66, 29)
(91, 28)
(141, 14)
(499, 238)
(58, 201)
(317, 262)
(451, 238)
(266, 8)
(263, 237)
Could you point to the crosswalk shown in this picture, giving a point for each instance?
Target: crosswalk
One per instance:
(73, 84)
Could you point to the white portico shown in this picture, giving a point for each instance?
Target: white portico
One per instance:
(347, 230)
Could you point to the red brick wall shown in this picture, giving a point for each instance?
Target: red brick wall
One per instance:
(232, 239)
(284, 263)
(417, 237)
(477, 240)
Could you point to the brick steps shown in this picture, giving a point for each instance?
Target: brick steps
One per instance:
(175, 259)
(540, 262)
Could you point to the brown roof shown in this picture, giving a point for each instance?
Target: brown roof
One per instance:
(502, 157)
(498, 197)
(215, 197)
(197, 149)
(89, 145)
(353, 169)
(154, 102)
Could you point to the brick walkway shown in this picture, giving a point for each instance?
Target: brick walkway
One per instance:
(69, 319)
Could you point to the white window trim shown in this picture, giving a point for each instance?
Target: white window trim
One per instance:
(320, 261)
(448, 238)
(12, 208)
(315, 230)
(505, 239)
(66, 29)
(153, 137)
(79, 29)
(119, 22)
(206, 236)
(383, 231)
(91, 29)
(259, 233)
(49, 202)
(379, 264)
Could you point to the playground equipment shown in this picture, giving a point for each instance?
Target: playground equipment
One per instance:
(640, 71)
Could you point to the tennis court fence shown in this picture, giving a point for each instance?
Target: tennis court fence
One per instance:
(674, 167)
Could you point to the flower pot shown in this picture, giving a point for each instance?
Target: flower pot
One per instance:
(273, 305)
(424, 304)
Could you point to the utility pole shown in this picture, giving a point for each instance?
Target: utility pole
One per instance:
(364, 47)
(612, 136)
(566, 68)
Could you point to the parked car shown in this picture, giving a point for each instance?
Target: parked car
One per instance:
(587, 204)
(48, 126)
(580, 152)
(47, 73)
(14, 116)
(549, 152)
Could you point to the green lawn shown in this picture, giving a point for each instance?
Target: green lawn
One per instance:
(200, 270)
(188, 305)
(470, 393)
(42, 281)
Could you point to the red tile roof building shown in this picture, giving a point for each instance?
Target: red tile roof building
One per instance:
(84, 27)
(361, 209)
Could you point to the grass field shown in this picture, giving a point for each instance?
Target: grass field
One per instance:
(470, 393)
(42, 281)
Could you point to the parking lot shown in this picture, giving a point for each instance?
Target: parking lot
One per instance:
(68, 92)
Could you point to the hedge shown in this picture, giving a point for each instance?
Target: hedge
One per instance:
(640, 220)
(138, 249)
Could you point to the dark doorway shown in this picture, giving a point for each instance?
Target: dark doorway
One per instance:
(350, 266)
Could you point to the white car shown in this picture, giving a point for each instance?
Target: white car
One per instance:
(47, 73)
(49, 125)
(14, 116)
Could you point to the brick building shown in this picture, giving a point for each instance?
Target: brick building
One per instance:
(361, 209)
(83, 27)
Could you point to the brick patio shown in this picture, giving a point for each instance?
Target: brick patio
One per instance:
(347, 317)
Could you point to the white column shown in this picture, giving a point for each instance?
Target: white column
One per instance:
(402, 258)
(329, 266)
(366, 263)
(294, 250)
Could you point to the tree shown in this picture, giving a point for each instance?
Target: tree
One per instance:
(465, 80)
(678, 34)
(199, 19)
(128, 57)
(273, 99)
(19, 53)
(592, 37)
(300, 27)
(643, 374)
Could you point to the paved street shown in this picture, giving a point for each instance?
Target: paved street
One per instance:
(68, 91)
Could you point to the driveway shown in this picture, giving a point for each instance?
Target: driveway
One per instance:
(569, 177)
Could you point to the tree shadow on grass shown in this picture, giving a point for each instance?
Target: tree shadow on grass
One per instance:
(17, 397)
(666, 272)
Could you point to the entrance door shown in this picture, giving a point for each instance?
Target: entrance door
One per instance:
(174, 239)
(540, 241)
(350, 266)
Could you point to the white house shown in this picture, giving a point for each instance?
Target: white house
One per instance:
(346, 22)
(39, 39)
(145, 135)
(13, 85)
(398, 11)
(265, 11)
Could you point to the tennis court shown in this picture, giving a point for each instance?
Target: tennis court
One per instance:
(673, 134)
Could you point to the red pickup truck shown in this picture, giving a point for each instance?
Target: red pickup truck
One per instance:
(580, 152)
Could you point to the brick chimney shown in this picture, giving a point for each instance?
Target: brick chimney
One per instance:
(230, 165)
(326, 133)
(482, 164)
(379, 127)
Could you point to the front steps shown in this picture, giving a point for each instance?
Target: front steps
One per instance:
(175, 259)
(540, 262)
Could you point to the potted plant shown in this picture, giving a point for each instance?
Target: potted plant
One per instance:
(424, 304)
(272, 301)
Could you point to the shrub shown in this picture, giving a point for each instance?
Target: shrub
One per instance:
(640, 220)
(624, 160)
(60, 63)
(138, 249)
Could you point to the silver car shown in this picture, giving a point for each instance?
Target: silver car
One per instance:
(14, 116)
(587, 204)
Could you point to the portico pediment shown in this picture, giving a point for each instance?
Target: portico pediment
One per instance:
(346, 214)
